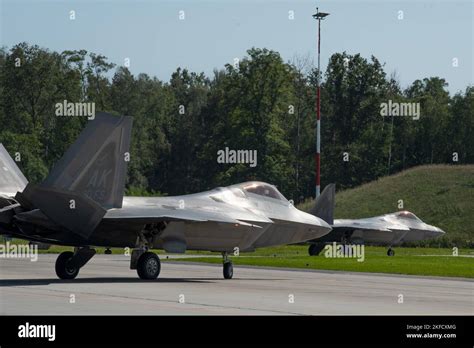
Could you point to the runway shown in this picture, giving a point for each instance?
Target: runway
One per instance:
(107, 286)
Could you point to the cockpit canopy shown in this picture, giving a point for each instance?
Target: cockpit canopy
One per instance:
(407, 215)
(262, 189)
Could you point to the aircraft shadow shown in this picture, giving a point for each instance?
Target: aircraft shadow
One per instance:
(110, 280)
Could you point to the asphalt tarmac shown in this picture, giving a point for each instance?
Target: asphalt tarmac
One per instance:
(107, 286)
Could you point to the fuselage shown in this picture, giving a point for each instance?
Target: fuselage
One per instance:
(263, 217)
(391, 229)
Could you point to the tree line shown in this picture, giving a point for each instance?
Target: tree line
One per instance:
(260, 103)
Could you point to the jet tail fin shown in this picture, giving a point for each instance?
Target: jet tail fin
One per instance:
(324, 205)
(12, 179)
(88, 179)
(95, 165)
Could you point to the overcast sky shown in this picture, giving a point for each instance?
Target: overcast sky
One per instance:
(213, 33)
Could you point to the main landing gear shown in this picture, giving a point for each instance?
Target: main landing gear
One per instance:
(69, 263)
(146, 263)
(148, 266)
(390, 252)
(228, 269)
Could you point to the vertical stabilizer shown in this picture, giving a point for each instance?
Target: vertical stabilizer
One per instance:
(12, 179)
(324, 205)
(88, 179)
(95, 165)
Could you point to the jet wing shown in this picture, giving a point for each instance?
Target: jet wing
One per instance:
(197, 214)
(12, 179)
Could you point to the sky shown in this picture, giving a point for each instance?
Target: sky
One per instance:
(415, 39)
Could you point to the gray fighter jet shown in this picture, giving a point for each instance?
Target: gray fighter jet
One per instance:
(81, 203)
(389, 229)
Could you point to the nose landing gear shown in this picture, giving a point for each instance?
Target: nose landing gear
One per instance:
(315, 249)
(228, 269)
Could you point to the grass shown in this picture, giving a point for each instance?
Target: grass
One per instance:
(440, 195)
(412, 261)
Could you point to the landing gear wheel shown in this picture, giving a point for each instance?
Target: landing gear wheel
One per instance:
(148, 266)
(63, 269)
(315, 249)
(228, 270)
(107, 251)
(390, 252)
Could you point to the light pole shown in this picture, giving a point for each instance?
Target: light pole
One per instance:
(319, 16)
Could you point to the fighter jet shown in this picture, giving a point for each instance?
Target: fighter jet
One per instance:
(81, 203)
(389, 229)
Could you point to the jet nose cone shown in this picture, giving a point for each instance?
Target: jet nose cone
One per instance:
(437, 232)
(323, 226)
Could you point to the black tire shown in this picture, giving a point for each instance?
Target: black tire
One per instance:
(148, 266)
(62, 267)
(228, 270)
(315, 249)
(390, 252)
(107, 252)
